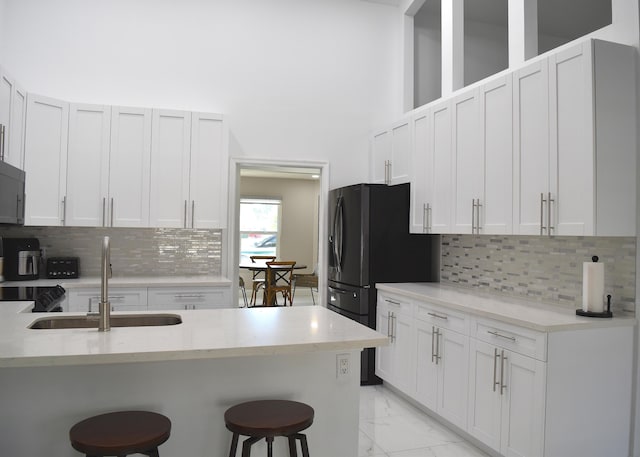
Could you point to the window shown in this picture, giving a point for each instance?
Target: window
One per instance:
(259, 227)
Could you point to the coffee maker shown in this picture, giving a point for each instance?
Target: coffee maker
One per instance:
(21, 258)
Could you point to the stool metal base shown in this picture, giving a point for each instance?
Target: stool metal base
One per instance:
(246, 445)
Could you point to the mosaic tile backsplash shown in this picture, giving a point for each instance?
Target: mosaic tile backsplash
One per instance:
(543, 269)
(134, 251)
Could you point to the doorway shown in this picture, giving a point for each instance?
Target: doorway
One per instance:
(257, 185)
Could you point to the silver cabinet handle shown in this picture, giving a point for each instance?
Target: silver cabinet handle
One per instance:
(2, 135)
(64, 211)
(424, 217)
(549, 226)
(438, 335)
(111, 211)
(391, 301)
(179, 296)
(184, 225)
(433, 345)
(473, 216)
(389, 324)
(429, 215)
(478, 206)
(510, 338)
(503, 386)
(193, 213)
(104, 211)
(393, 327)
(542, 202)
(438, 316)
(495, 368)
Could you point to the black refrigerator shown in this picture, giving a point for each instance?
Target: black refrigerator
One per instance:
(369, 242)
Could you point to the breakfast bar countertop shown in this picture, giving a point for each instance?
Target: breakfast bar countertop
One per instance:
(525, 313)
(203, 334)
(129, 281)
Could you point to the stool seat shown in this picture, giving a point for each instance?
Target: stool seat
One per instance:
(268, 419)
(121, 433)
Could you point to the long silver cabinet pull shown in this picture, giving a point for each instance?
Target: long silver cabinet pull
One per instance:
(503, 386)
(542, 202)
(478, 206)
(2, 130)
(510, 338)
(429, 210)
(104, 211)
(473, 216)
(193, 214)
(438, 335)
(389, 324)
(64, 211)
(438, 316)
(184, 225)
(189, 296)
(111, 211)
(424, 217)
(393, 327)
(392, 301)
(549, 226)
(433, 344)
(495, 368)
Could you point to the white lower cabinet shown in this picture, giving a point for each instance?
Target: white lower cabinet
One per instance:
(521, 392)
(442, 371)
(395, 362)
(189, 298)
(506, 400)
(121, 299)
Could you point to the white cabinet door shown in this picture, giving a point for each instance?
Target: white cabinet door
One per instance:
(384, 354)
(88, 165)
(169, 178)
(440, 150)
(400, 152)
(380, 156)
(46, 160)
(496, 210)
(6, 94)
(421, 175)
(129, 165)
(208, 176)
(87, 300)
(453, 360)
(532, 185)
(506, 400)
(426, 368)
(468, 162)
(14, 152)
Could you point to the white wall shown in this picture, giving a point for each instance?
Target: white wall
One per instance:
(486, 50)
(296, 79)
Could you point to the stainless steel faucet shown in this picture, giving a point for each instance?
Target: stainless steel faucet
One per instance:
(104, 324)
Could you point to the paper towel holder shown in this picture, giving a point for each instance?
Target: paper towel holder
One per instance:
(606, 313)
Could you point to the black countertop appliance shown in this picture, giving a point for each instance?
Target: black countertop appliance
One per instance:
(369, 242)
(47, 299)
(21, 259)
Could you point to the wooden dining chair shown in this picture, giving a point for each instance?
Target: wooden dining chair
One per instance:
(306, 280)
(279, 279)
(256, 281)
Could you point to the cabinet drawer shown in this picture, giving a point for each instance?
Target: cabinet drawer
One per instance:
(189, 298)
(395, 303)
(442, 317)
(517, 339)
(121, 299)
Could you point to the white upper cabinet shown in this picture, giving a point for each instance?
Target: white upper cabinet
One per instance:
(129, 165)
(13, 102)
(421, 175)
(208, 173)
(593, 124)
(441, 176)
(532, 183)
(88, 165)
(495, 213)
(46, 160)
(391, 154)
(468, 163)
(169, 179)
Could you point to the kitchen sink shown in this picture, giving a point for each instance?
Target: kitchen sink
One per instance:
(130, 320)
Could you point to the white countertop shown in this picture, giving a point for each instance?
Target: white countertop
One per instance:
(203, 334)
(533, 315)
(132, 281)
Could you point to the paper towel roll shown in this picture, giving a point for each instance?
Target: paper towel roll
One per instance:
(593, 287)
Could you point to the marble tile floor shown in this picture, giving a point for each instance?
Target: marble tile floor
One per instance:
(392, 427)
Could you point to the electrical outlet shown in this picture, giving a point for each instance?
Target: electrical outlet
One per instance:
(343, 366)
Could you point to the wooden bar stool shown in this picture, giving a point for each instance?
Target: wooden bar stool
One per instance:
(268, 419)
(120, 434)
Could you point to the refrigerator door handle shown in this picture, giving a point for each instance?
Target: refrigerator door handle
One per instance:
(338, 234)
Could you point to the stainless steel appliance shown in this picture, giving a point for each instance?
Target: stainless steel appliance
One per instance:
(21, 258)
(369, 242)
(11, 194)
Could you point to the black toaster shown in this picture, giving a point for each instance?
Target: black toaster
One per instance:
(63, 267)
